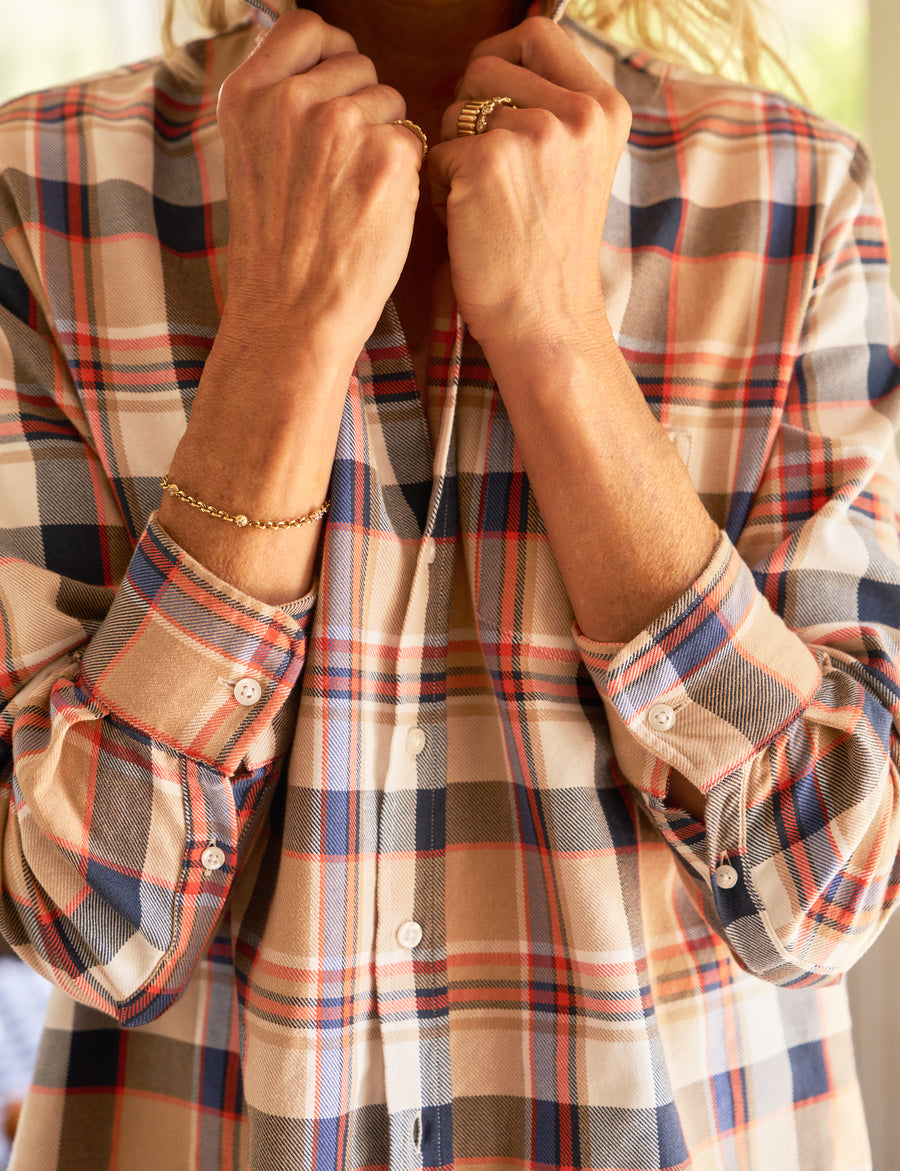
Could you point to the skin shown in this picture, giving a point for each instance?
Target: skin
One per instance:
(327, 234)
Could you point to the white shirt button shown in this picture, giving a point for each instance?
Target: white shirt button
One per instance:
(430, 551)
(409, 934)
(213, 858)
(415, 741)
(726, 877)
(247, 692)
(661, 717)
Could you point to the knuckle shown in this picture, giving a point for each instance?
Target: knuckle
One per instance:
(481, 70)
(544, 125)
(603, 115)
(620, 114)
(394, 153)
(393, 164)
(586, 113)
(395, 97)
(302, 18)
(348, 113)
(293, 100)
(367, 69)
(233, 91)
(336, 117)
(234, 100)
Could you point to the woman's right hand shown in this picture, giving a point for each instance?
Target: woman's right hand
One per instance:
(322, 193)
(322, 189)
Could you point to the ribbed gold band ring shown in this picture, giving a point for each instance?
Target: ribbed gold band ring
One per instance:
(473, 117)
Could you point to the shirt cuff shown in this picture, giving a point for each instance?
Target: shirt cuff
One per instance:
(193, 663)
(707, 686)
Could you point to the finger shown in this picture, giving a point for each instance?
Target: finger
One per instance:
(502, 117)
(575, 105)
(299, 41)
(378, 104)
(337, 76)
(371, 106)
(418, 134)
(490, 76)
(444, 163)
(542, 47)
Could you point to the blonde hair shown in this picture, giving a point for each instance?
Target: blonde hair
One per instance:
(718, 36)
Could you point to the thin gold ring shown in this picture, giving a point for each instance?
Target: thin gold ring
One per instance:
(473, 117)
(417, 131)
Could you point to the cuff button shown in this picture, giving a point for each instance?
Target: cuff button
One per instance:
(247, 692)
(661, 717)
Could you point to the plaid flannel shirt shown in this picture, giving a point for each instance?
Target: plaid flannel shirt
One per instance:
(425, 903)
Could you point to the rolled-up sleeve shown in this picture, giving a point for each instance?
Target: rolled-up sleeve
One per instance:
(136, 773)
(146, 707)
(709, 685)
(772, 685)
(194, 664)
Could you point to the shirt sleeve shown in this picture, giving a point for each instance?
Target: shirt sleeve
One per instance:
(146, 706)
(772, 685)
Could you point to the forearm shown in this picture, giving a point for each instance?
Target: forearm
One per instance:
(626, 526)
(260, 442)
(795, 748)
(314, 250)
(628, 531)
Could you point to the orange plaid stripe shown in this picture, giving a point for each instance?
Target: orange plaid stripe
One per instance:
(426, 904)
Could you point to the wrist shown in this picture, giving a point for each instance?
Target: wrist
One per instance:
(538, 347)
(299, 361)
(240, 520)
(262, 431)
(557, 365)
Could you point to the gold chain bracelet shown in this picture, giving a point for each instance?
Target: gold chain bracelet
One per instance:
(239, 519)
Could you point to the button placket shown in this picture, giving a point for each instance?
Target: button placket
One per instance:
(415, 741)
(726, 877)
(409, 935)
(212, 858)
(401, 824)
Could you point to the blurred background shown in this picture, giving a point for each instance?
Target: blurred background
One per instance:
(844, 54)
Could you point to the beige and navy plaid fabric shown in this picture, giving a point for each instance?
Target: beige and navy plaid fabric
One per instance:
(457, 922)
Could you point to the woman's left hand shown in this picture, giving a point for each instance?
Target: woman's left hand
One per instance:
(525, 202)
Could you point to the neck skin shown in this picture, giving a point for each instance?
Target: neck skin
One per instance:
(420, 47)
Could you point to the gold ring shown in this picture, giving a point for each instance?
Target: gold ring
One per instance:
(473, 117)
(417, 131)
